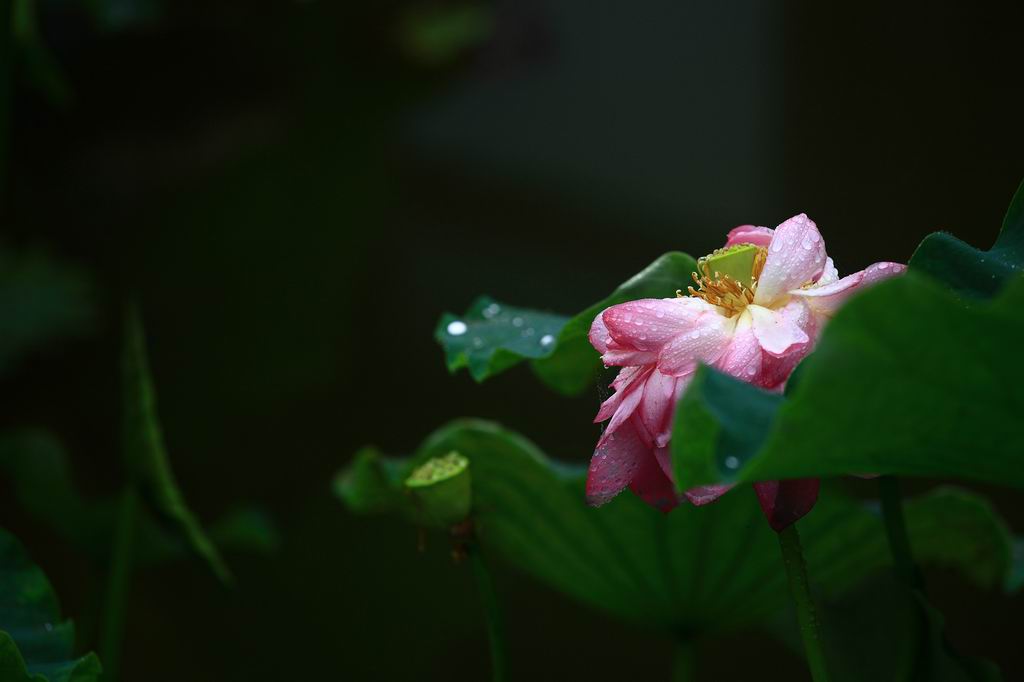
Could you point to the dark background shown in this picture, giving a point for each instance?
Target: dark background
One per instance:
(295, 194)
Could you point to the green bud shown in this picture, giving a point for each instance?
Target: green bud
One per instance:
(441, 491)
(735, 261)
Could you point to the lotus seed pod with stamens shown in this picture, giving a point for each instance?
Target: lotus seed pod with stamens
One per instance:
(441, 491)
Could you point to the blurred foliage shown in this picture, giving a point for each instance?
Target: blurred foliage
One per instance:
(907, 643)
(41, 66)
(40, 301)
(434, 35)
(145, 456)
(697, 570)
(37, 467)
(36, 644)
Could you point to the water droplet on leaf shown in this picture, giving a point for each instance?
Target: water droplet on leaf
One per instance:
(457, 328)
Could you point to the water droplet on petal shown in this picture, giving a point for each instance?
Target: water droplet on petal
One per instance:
(807, 244)
(457, 328)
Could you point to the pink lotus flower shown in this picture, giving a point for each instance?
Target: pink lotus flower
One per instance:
(756, 330)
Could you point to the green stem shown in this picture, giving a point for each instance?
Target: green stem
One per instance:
(118, 579)
(896, 530)
(492, 612)
(796, 571)
(684, 661)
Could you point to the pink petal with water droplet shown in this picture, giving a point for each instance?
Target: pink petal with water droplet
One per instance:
(749, 234)
(742, 357)
(598, 335)
(704, 342)
(648, 323)
(626, 376)
(796, 255)
(779, 331)
(826, 299)
(613, 465)
(656, 408)
(706, 494)
(652, 486)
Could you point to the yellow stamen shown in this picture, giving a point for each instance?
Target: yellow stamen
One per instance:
(724, 291)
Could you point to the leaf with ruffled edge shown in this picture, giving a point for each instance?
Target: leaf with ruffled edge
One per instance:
(970, 270)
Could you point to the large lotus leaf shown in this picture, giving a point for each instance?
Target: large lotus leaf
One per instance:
(36, 644)
(492, 337)
(696, 569)
(907, 379)
(970, 270)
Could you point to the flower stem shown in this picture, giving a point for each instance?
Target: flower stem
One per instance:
(896, 530)
(684, 661)
(492, 612)
(796, 571)
(118, 578)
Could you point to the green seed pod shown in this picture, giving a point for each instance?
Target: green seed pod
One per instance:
(441, 491)
(736, 262)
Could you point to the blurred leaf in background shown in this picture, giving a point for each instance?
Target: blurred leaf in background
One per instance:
(434, 35)
(41, 301)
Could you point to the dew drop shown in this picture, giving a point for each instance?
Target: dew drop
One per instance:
(517, 322)
(776, 245)
(807, 244)
(659, 314)
(528, 332)
(457, 328)
(478, 342)
(732, 462)
(547, 340)
(492, 310)
(695, 334)
(883, 266)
